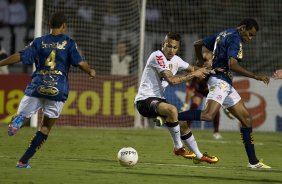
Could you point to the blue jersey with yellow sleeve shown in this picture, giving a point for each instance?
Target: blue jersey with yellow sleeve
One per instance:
(224, 45)
(53, 55)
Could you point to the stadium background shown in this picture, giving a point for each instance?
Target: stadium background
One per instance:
(98, 26)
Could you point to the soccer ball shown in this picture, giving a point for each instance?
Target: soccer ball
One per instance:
(127, 156)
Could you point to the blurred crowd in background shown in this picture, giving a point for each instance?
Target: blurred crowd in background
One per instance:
(16, 21)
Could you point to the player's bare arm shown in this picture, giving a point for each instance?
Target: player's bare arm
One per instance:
(15, 58)
(277, 74)
(86, 68)
(234, 66)
(178, 79)
(191, 68)
(202, 53)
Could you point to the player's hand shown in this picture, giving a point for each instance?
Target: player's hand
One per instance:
(277, 74)
(92, 73)
(263, 78)
(201, 73)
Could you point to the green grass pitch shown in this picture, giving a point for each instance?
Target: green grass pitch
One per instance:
(88, 155)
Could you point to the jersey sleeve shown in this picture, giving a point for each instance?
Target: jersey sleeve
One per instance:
(183, 65)
(157, 61)
(209, 42)
(233, 45)
(29, 54)
(75, 57)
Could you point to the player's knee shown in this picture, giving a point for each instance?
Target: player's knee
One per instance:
(247, 122)
(172, 112)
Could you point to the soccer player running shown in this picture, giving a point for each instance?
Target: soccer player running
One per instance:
(159, 72)
(200, 91)
(53, 54)
(227, 50)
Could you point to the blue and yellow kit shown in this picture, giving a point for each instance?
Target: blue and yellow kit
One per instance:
(224, 45)
(53, 55)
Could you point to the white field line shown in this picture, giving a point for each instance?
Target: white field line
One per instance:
(231, 142)
(180, 165)
(149, 163)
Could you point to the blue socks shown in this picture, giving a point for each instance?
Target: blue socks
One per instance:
(35, 144)
(246, 134)
(192, 115)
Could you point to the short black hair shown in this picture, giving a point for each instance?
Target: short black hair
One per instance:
(57, 20)
(173, 36)
(250, 23)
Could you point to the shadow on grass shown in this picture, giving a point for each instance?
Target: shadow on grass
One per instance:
(131, 171)
(200, 177)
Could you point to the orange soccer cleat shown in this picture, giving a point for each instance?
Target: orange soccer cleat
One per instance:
(184, 153)
(206, 158)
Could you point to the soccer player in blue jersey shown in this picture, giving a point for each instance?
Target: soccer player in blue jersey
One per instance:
(227, 51)
(53, 54)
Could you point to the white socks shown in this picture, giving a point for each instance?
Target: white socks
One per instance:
(175, 135)
(192, 144)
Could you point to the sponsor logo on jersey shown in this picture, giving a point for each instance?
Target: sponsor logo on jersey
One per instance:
(52, 72)
(48, 90)
(160, 61)
(55, 45)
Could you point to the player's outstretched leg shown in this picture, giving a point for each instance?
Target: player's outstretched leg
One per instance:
(190, 141)
(16, 123)
(35, 144)
(178, 149)
(247, 138)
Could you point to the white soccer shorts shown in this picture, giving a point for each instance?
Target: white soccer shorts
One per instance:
(222, 92)
(30, 105)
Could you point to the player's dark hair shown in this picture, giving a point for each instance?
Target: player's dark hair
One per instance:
(57, 20)
(250, 23)
(173, 36)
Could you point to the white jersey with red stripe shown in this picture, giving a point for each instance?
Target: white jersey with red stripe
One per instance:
(152, 84)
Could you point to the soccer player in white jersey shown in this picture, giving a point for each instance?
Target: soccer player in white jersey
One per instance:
(159, 72)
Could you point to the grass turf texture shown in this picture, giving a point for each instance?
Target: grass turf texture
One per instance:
(88, 155)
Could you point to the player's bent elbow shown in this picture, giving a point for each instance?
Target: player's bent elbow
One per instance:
(198, 43)
(172, 81)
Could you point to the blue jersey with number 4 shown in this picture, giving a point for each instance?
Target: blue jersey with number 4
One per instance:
(53, 56)
(224, 45)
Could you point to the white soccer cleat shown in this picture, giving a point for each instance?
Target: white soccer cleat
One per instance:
(217, 136)
(259, 165)
(159, 121)
(185, 107)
